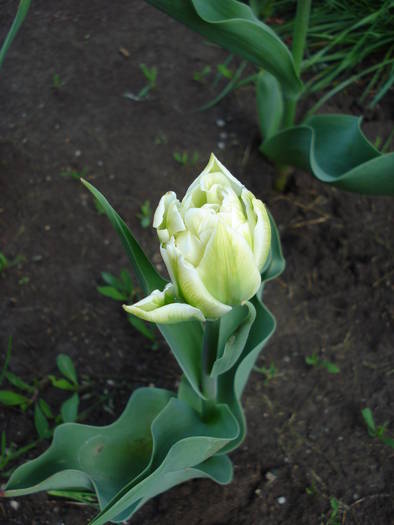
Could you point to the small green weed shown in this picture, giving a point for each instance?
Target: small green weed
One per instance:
(225, 71)
(121, 289)
(333, 518)
(161, 138)
(185, 159)
(117, 288)
(380, 431)
(3, 262)
(201, 76)
(150, 75)
(269, 373)
(317, 362)
(145, 214)
(57, 82)
(6, 263)
(29, 396)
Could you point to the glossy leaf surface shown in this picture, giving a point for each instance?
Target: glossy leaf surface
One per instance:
(336, 151)
(234, 26)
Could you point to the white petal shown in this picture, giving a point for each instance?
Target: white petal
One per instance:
(228, 269)
(259, 225)
(194, 194)
(161, 209)
(160, 307)
(261, 234)
(193, 291)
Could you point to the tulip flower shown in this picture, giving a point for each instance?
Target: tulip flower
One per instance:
(214, 243)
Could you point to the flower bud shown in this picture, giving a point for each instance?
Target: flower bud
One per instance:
(214, 244)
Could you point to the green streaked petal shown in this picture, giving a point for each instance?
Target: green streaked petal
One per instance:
(261, 234)
(160, 307)
(194, 292)
(227, 268)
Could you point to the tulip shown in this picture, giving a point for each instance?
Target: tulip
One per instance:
(214, 243)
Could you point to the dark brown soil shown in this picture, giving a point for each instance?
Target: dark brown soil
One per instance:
(335, 298)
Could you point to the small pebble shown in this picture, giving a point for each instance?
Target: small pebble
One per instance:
(223, 135)
(221, 145)
(47, 227)
(14, 504)
(78, 153)
(281, 500)
(270, 477)
(220, 123)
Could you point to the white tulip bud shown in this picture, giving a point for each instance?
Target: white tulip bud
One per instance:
(214, 244)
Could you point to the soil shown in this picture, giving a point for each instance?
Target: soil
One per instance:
(306, 441)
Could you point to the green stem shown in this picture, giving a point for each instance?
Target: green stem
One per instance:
(299, 38)
(209, 354)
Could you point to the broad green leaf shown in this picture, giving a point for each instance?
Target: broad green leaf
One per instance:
(184, 339)
(146, 273)
(232, 383)
(233, 25)
(69, 409)
(269, 104)
(235, 337)
(40, 422)
(18, 20)
(158, 442)
(335, 150)
(66, 367)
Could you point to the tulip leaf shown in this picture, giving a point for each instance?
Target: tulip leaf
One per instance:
(146, 273)
(69, 409)
(157, 442)
(185, 339)
(18, 20)
(232, 383)
(276, 263)
(234, 26)
(269, 104)
(335, 150)
(235, 342)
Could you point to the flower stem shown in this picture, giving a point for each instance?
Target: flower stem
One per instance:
(209, 354)
(299, 38)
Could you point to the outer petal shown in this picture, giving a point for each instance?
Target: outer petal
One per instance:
(167, 219)
(160, 307)
(227, 268)
(261, 234)
(259, 225)
(189, 285)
